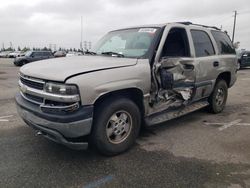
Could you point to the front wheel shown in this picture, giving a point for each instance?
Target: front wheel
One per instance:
(218, 98)
(116, 126)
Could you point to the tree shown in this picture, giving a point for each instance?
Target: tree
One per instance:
(45, 48)
(25, 49)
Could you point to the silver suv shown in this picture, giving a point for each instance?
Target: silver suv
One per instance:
(139, 76)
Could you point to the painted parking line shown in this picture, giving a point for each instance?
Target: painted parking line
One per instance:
(230, 124)
(245, 79)
(99, 182)
(5, 118)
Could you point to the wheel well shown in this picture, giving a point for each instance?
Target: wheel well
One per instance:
(134, 94)
(225, 76)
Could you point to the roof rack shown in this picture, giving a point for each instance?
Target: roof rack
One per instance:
(190, 23)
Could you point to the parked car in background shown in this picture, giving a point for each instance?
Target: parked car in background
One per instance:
(70, 54)
(14, 54)
(60, 54)
(31, 56)
(244, 59)
(4, 54)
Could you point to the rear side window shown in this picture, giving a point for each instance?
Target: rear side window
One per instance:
(202, 43)
(46, 53)
(225, 45)
(36, 54)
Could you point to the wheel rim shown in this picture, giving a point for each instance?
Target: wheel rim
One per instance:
(118, 127)
(220, 97)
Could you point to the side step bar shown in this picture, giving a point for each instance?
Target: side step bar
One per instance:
(168, 115)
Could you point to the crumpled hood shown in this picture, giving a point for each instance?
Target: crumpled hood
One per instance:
(59, 69)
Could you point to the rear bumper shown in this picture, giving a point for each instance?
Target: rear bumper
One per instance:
(59, 128)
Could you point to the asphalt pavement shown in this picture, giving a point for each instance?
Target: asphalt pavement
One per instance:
(195, 151)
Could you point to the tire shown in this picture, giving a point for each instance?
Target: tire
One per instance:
(218, 98)
(113, 117)
(21, 63)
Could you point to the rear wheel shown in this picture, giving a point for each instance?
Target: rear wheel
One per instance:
(116, 126)
(218, 98)
(21, 63)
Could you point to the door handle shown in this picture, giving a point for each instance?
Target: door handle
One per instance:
(216, 64)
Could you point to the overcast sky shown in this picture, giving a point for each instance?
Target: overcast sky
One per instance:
(38, 23)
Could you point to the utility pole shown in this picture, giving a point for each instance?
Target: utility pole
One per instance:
(81, 35)
(235, 14)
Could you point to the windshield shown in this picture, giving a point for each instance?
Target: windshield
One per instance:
(28, 53)
(129, 43)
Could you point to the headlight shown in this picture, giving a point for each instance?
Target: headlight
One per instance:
(61, 89)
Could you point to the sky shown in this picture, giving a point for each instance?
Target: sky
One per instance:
(39, 23)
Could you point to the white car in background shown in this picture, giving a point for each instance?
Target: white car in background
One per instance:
(70, 54)
(15, 54)
(4, 54)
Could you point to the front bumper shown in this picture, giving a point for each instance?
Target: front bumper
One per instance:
(59, 128)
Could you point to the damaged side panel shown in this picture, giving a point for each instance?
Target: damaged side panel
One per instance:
(175, 78)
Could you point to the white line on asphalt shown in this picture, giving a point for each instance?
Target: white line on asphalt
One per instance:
(245, 79)
(230, 124)
(2, 118)
(244, 124)
(99, 182)
(227, 125)
(6, 116)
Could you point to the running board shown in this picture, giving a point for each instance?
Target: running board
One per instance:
(161, 117)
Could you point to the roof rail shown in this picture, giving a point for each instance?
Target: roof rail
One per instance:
(190, 23)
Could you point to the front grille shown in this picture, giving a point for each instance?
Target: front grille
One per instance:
(32, 90)
(36, 99)
(32, 83)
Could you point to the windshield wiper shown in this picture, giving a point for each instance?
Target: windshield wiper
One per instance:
(115, 54)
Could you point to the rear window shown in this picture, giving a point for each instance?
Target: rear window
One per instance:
(224, 43)
(202, 43)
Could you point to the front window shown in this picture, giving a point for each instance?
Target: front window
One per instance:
(132, 43)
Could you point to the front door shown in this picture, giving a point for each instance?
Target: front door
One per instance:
(177, 67)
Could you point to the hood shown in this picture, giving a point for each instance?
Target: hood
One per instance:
(59, 69)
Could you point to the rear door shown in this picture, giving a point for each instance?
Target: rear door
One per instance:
(207, 62)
